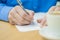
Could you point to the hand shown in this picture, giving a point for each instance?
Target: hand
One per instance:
(19, 17)
(43, 20)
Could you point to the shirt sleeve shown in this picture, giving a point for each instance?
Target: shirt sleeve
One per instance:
(4, 11)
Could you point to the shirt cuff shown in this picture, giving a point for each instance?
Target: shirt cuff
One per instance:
(4, 13)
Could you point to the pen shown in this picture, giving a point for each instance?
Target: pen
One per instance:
(20, 4)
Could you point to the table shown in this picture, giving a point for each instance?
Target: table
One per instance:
(9, 32)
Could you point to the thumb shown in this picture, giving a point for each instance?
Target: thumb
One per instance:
(31, 13)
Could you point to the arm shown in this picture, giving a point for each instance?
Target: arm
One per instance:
(4, 11)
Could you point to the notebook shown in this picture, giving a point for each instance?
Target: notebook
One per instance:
(33, 26)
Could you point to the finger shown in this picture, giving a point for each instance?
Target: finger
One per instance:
(39, 20)
(10, 21)
(43, 22)
(57, 11)
(31, 13)
(51, 9)
(57, 8)
(18, 9)
(27, 18)
(26, 22)
(16, 21)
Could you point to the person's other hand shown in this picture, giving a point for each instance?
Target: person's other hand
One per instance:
(43, 20)
(19, 17)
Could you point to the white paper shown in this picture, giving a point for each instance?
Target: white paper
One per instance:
(33, 26)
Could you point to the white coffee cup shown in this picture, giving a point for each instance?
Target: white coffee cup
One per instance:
(52, 31)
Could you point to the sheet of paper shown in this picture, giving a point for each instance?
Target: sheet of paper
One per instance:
(33, 26)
